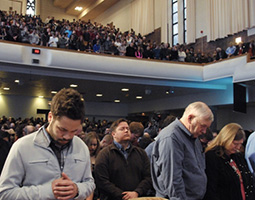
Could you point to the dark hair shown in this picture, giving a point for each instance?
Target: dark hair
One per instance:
(240, 134)
(168, 120)
(116, 123)
(88, 139)
(208, 135)
(68, 102)
(136, 128)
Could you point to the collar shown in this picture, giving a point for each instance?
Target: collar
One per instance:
(185, 131)
(46, 134)
(119, 146)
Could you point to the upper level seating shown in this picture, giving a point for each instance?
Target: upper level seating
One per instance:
(94, 37)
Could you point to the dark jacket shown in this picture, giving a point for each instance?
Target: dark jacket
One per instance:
(223, 181)
(221, 55)
(165, 54)
(114, 174)
(130, 51)
(4, 150)
(148, 54)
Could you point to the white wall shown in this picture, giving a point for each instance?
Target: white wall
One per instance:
(157, 10)
(119, 14)
(44, 8)
(48, 9)
(200, 18)
(19, 5)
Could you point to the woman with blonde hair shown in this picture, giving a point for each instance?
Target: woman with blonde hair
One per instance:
(228, 175)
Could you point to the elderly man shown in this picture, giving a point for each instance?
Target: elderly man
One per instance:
(51, 163)
(178, 163)
(122, 170)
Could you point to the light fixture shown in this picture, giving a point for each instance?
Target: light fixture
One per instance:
(53, 92)
(238, 40)
(16, 81)
(117, 101)
(124, 89)
(40, 96)
(6, 88)
(99, 95)
(73, 85)
(170, 91)
(139, 97)
(78, 8)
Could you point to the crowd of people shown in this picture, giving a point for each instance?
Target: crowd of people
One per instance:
(69, 157)
(94, 37)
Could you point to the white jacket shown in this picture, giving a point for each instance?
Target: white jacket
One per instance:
(31, 166)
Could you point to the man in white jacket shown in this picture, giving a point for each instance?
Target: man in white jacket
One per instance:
(51, 163)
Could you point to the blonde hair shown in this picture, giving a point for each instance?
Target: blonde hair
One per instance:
(227, 135)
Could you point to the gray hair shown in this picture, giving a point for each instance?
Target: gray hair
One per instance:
(199, 109)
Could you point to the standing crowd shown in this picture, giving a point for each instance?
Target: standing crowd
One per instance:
(68, 157)
(94, 37)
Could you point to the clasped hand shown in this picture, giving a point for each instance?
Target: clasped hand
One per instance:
(64, 188)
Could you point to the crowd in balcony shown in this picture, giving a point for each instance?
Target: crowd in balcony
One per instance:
(94, 37)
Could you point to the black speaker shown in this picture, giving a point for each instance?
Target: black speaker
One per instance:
(239, 98)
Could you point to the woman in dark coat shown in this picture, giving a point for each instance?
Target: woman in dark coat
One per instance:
(4, 149)
(228, 175)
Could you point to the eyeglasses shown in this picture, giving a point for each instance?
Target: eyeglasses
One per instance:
(237, 143)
